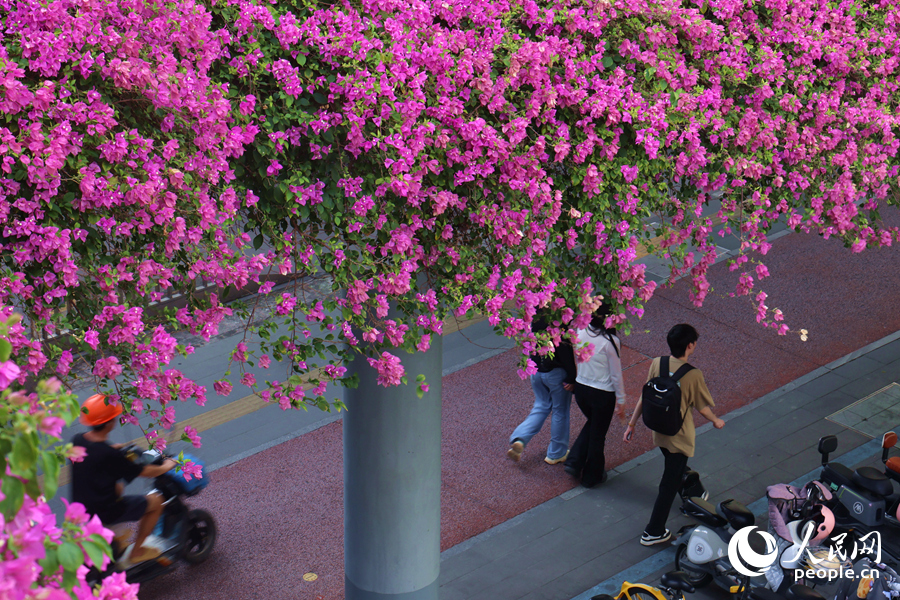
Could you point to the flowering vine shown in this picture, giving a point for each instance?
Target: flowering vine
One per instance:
(441, 159)
(41, 557)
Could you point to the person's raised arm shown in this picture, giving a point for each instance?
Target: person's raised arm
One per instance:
(157, 470)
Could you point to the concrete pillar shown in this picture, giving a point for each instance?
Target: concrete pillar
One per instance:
(392, 483)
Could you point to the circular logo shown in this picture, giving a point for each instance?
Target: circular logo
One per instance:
(745, 559)
(858, 508)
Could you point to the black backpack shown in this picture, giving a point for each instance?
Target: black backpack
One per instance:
(661, 400)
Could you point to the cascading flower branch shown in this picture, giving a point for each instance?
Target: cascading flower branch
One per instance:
(500, 157)
(41, 556)
(116, 189)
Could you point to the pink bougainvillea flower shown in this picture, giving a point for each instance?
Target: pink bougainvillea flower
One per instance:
(191, 469)
(64, 363)
(76, 453)
(9, 372)
(222, 387)
(630, 173)
(193, 436)
(52, 426)
(390, 369)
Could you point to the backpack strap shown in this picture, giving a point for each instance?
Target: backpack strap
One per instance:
(681, 372)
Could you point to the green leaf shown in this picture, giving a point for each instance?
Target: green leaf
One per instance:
(70, 556)
(258, 242)
(5, 350)
(96, 552)
(24, 455)
(50, 562)
(32, 488)
(69, 580)
(50, 465)
(14, 493)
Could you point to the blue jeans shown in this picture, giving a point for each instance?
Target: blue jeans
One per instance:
(549, 395)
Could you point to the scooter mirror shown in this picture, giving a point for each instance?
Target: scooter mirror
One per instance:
(827, 445)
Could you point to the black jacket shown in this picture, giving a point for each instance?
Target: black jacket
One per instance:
(563, 356)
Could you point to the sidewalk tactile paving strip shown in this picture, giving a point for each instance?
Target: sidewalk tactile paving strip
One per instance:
(873, 415)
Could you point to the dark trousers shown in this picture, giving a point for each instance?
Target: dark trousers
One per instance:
(673, 472)
(586, 454)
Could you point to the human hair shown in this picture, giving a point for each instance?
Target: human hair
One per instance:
(101, 426)
(680, 337)
(598, 323)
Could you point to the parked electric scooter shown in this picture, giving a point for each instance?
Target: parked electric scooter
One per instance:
(182, 533)
(892, 471)
(872, 581)
(862, 497)
(861, 494)
(702, 550)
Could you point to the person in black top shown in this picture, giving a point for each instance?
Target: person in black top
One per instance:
(552, 385)
(96, 480)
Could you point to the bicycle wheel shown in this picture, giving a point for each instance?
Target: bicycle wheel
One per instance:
(642, 595)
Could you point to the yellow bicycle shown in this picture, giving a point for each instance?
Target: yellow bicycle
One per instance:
(673, 585)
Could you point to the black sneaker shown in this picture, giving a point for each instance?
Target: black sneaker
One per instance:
(652, 540)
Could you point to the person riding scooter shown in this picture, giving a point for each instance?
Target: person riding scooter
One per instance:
(96, 480)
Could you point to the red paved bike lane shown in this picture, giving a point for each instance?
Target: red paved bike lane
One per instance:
(280, 512)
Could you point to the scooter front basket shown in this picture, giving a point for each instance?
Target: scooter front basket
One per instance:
(196, 484)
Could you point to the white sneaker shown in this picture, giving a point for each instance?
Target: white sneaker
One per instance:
(652, 540)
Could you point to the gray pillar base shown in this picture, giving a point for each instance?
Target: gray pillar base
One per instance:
(427, 593)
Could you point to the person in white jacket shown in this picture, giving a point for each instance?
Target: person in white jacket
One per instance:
(600, 393)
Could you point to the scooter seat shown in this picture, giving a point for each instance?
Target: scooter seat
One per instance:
(737, 515)
(677, 580)
(837, 474)
(761, 593)
(873, 480)
(701, 510)
(803, 592)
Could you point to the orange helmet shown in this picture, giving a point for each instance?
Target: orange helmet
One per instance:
(97, 411)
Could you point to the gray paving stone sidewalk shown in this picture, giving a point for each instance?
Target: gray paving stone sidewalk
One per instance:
(567, 546)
